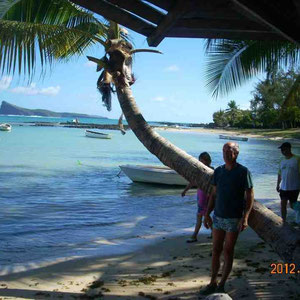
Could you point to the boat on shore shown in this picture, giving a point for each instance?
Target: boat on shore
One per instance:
(153, 174)
(97, 135)
(233, 137)
(5, 127)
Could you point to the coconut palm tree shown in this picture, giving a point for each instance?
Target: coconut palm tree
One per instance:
(230, 63)
(117, 67)
(232, 111)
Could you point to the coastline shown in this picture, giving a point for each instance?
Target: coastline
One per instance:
(168, 269)
(272, 135)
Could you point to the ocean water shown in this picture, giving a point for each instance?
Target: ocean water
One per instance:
(62, 195)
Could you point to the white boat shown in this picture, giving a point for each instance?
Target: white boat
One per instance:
(233, 137)
(5, 127)
(97, 135)
(153, 174)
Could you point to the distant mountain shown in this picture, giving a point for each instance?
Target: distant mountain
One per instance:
(11, 109)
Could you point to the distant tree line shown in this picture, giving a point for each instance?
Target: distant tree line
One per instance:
(268, 107)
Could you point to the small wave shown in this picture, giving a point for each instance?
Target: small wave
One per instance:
(65, 227)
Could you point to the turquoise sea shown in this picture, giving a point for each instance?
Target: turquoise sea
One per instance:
(61, 195)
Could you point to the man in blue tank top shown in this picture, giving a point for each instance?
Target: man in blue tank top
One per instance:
(232, 200)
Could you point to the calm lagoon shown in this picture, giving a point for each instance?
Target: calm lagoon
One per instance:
(61, 196)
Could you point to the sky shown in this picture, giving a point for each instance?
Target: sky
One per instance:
(170, 87)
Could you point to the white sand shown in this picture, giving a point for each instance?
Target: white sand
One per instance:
(169, 269)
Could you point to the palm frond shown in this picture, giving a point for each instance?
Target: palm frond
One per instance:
(58, 12)
(293, 95)
(46, 30)
(74, 41)
(6, 5)
(22, 43)
(104, 86)
(231, 63)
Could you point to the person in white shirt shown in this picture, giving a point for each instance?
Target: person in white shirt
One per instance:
(288, 182)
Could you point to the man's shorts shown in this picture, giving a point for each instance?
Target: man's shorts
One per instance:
(228, 225)
(289, 195)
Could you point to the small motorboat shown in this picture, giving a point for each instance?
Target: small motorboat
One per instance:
(153, 174)
(97, 135)
(5, 127)
(233, 137)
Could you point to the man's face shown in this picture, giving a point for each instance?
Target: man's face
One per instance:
(229, 153)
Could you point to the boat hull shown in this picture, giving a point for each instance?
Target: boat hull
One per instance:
(232, 137)
(5, 127)
(153, 174)
(97, 135)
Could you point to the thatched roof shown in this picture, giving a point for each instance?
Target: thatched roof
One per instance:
(232, 19)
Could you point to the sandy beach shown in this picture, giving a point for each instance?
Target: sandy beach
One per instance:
(272, 137)
(169, 269)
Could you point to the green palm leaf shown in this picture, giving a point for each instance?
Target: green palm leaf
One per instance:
(45, 30)
(293, 97)
(6, 5)
(231, 62)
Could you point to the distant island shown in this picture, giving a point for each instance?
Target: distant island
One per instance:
(11, 109)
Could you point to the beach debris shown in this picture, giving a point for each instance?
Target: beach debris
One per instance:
(96, 284)
(123, 282)
(168, 273)
(145, 280)
(79, 163)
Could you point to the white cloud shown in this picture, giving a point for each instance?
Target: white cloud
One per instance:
(172, 68)
(32, 90)
(159, 99)
(5, 82)
(90, 64)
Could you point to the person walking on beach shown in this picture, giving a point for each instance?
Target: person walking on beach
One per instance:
(288, 181)
(232, 200)
(202, 199)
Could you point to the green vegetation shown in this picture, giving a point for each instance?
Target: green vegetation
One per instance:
(268, 108)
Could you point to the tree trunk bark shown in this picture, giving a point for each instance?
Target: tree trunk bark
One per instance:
(282, 238)
(170, 155)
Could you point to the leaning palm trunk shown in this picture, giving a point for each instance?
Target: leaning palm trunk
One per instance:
(282, 238)
(170, 155)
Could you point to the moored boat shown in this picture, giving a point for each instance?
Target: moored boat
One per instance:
(233, 137)
(5, 127)
(96, 134)
(153, 174)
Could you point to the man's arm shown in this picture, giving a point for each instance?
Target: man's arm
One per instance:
(278, 183)
(210, 207)
(249, 204)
